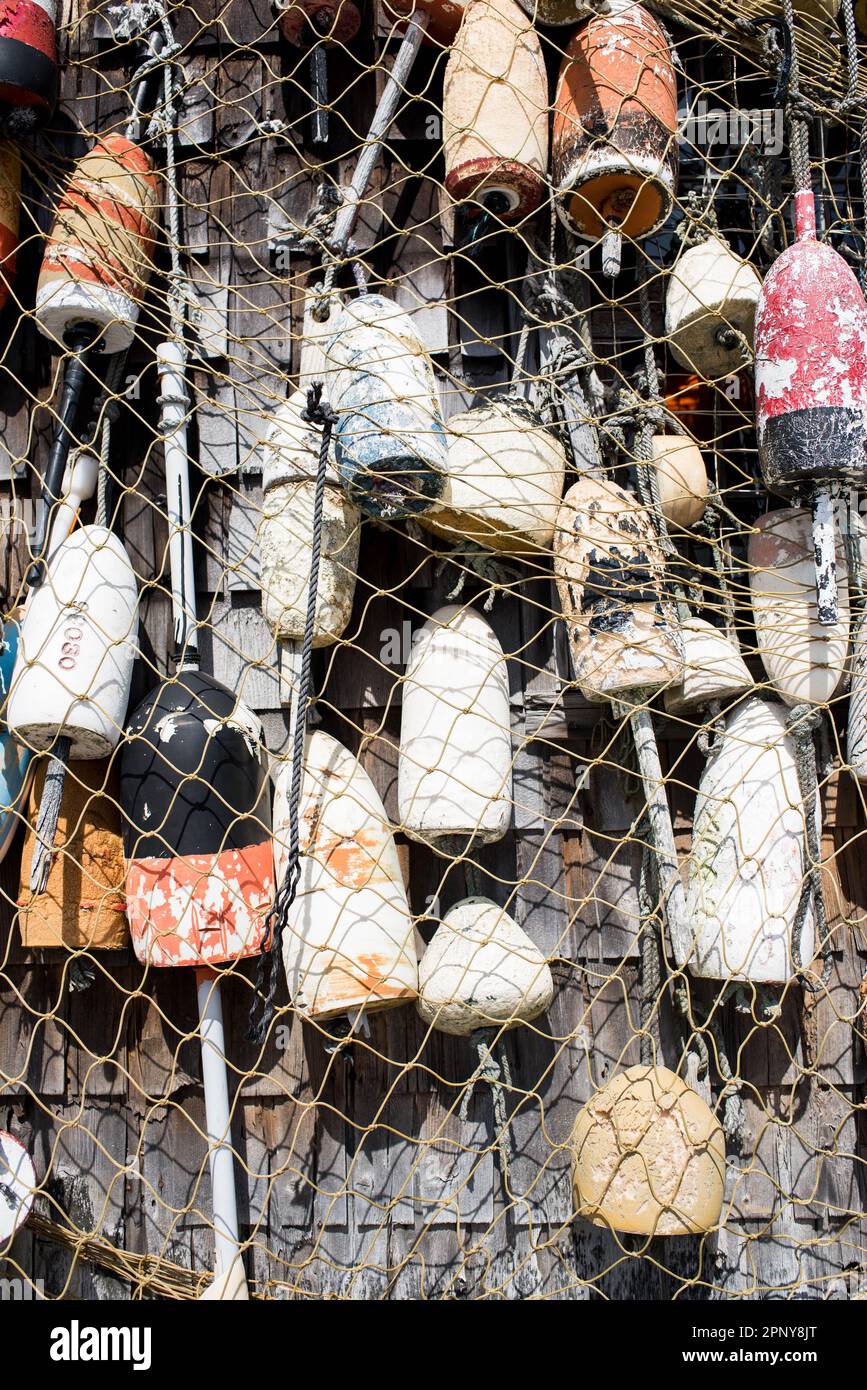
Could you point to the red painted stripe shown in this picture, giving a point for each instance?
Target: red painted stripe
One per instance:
(28, 23)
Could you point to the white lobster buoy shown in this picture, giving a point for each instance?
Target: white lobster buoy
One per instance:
(77, 648)
(747, 866)
(290, 458)
(495, 111)
(455, 767)
(349, 941)
(805, 659)
(681, 477)
(610, 571)
(481, 970)
(504, 481)
(713, 669)
(710, 305)
(390, 440)
(648, 1156)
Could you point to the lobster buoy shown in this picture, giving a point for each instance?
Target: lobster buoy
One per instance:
(77, 648)
(349, 940)
(390, 439)
(495, 111)
(455, 766)
(443, 17)
(504, 481)
(17, 1186)
(83, 904)
(713, 669)
(710, 308)
(312, 21)
(194, 793)
(481, 970)
(747, 865)
(16, 762)
(805, 659)
(610, 577)
(99, 255)
(614, 147)
(681, 478)
(289, 464)
(28, 57)
(648, 1156)
(10, 212)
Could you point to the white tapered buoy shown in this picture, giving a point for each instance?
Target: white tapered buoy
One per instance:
(77, 648)
(710, 308)
(349, 941)
(713, 669)
(805, 658)
(746, 868)
(455, 767)
(481, 970)
(681, 478)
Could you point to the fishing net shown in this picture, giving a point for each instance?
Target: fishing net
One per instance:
(375, 1155)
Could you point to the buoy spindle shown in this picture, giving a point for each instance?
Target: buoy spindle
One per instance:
(174, 406)
(612, 250)
(825, 551)
(230, 1282)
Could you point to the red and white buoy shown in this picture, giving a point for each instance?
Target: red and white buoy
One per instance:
(28, 59)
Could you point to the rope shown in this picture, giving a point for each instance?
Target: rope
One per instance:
(317, 413)
(650, 969)
(801, 723)
(496, 1071)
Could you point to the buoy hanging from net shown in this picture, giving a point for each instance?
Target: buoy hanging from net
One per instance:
(614, 147)
(10, 213)
(495, 112)
(710, 308)
(648, 1156)
(714, 672)
(28, 62)
(681, 479)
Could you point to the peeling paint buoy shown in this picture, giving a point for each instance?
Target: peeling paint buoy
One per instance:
(495, 111)
(455, 766)
(713, 669)
(194, 792)
(610, 572)
(390, 440)
(290, 457)
(681, 477)
(804, 658)
(504, 481)
(481, 970)
(28, 57)
(746, 869)
(614, 148)
(710, 308)
(349, 939)
(648, 1156)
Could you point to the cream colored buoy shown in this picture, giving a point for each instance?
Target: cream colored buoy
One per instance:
(805, 659)
(495, 111)
(681, 477)
(504, 481)
(455, 768)
(349, 941)
(710, 308)
(746, 872)
(481, 970)
(648, 1156)
(610, 575)
(713, 669)
(290, 458)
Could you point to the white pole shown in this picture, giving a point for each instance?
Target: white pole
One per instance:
(230, 1282)
(825, 550)
(174, 409)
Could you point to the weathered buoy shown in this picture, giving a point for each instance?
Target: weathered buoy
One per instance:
(610, 577)
(681, 477)
(481, 970)
(455, 766)
(16, 762)
(710, 308)
(28, 57)
(614, 148)
(197, 825)
(77, 648)
(648, 1156)
(805, 659)
(746, 868)
(10, 213)
(17, 1186)
(713, 669)
(289, 462)
(99, 254)
(390, 440)
(349, 941)
(495, 111)
(83, 904)
(504, 481)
